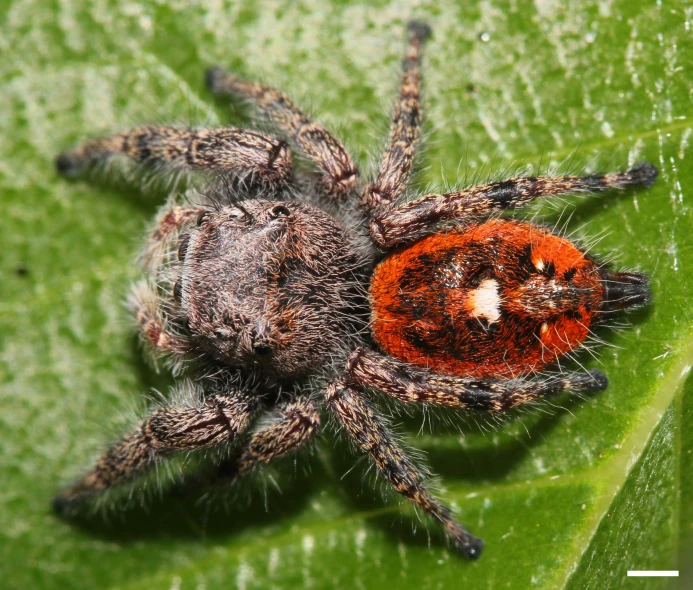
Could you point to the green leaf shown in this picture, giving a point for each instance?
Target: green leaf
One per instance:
(570, 498)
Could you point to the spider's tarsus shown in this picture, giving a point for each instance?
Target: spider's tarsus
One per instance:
(68, 164)
(65, 505)
(591, 381)
(643, 174)
(595, 381)
(470, 547)
(419, 29)
(212, 77)
(465, 543)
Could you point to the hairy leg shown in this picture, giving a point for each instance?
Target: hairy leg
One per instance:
(166, 230)
(154, 301)
(247, 155)
(340, 175)
(368, 432)
(407, 384)
(199, 422)
(285, 430)
(405, 128)
(290, 427)
(146, 309)
(414, 219)
(171, 221)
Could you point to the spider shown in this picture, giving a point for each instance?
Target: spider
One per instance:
(287, 294)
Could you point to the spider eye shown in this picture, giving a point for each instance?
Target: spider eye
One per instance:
(183, 248)
(237, 214)
(201, 218)
(262, 349)
(280, 211)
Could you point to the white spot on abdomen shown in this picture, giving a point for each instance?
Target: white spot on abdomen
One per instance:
(484, 301)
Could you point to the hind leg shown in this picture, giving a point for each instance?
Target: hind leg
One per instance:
(368, 432)
(409, 385)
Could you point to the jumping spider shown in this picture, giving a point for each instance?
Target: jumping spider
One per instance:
(274, 300)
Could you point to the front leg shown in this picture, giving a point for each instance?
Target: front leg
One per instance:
(198, 421)
(414, 219)
(368, 432)
(249, 156)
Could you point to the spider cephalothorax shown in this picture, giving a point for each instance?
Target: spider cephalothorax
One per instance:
(267, 284)
(265, 287)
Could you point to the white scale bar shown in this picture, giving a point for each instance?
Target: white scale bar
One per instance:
(653, 574)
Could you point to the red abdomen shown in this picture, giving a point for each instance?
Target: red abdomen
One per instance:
(502, 297)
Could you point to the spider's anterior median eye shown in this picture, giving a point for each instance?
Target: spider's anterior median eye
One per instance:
(280, 211)
(262, 349)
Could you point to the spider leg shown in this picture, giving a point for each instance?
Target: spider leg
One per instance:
(285, 430)
(166, 228)
(200, 421)
(413, 219)
(407, 384)
(153, 302)
(368, 432)
(145, 308)
(405, 128)
(340, 175)
(290, 427)
(248, 155)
